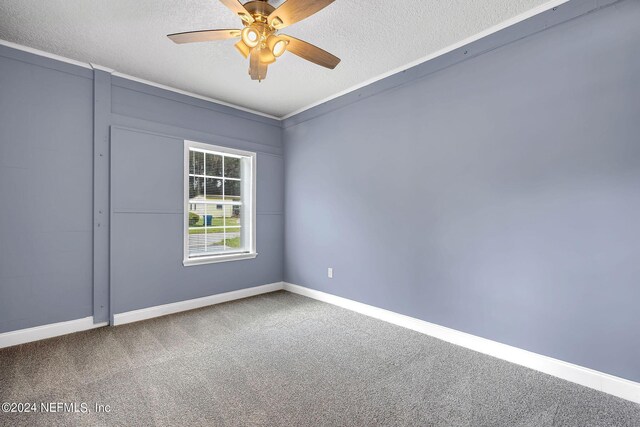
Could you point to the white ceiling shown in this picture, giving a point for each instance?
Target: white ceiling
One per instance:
(372, 37)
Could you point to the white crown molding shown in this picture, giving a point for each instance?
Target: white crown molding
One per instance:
(176, 307)
(51, 330)
(600, 381)
(494, 29)
(92, 66)
(101, 68)
(45, 54)
(195, 95)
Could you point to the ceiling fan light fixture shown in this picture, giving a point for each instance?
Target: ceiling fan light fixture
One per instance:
(266, 56)
(277, 45)
(250, 36)
(243, 49)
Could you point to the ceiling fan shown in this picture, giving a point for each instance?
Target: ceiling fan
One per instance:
(260, 40)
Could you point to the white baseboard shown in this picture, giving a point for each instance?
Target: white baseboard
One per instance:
(51, 330)
(176, 307)
(606, 383)
(22, 336)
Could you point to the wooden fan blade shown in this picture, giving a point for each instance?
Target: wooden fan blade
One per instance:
(237, 8)
(257, 68)
(203, 36)
(292, 11)
(310, 52)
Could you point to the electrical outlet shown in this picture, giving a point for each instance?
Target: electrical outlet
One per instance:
(330, 272)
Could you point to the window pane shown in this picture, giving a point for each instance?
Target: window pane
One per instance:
(214, 189)
(214, 165)
(231, 167)
(215, 230)
(233, 239)
(232, 216)
(196, 187)
(196, 244)
(215, 239)
(196, 215)
(214, 217)
(196, 228)
(232, 190)
(196, 163)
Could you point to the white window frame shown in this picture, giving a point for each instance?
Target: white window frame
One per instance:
(251, 223)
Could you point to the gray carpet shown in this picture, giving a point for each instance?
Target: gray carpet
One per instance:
(282, 359)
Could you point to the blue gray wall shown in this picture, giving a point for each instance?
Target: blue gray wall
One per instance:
(65, 136)
(499, 196)
(46, 151)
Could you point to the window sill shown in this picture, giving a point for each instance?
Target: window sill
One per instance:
(218, 258)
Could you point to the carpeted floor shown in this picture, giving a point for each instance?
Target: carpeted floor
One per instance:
(282, 359)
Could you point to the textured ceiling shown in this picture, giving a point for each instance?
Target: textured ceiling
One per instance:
(129, 37)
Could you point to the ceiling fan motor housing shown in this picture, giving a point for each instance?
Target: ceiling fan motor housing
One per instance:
(259, 9)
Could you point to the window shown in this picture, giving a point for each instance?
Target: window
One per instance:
(219, 201)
